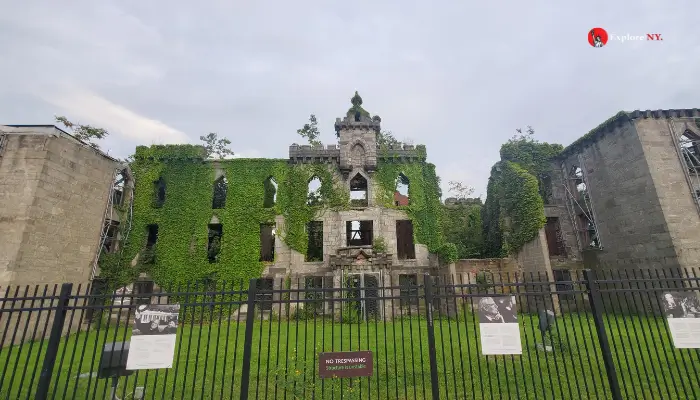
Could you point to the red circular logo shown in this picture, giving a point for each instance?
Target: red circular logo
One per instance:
(597, 37)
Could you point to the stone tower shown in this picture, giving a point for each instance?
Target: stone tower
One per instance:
(357, 138)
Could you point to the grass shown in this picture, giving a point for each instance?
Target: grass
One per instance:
(208, 362)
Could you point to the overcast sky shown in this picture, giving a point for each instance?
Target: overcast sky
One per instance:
(457, 76)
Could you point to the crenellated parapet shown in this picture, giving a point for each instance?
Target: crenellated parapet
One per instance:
(401, 152)
(307, 154)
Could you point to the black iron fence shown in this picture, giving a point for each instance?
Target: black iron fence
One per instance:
(593, 335)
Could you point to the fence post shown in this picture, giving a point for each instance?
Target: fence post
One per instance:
(59, 319)
(248, 343)
(596, 302)
(434, 384)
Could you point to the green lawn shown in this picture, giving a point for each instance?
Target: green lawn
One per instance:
(209, 362)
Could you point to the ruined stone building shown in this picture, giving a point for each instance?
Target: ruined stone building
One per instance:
(56, 197)
(626, 194)
(350, 211)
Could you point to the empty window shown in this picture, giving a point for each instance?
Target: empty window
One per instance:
(357, 116)
(267, 242)
(408, 284)
(401, 192)
(110, 244)
(214, 244)
(118, 188)
(159, 192)
(358, 191)
(690, 147)
(264, 285)
(555, 241)
(589, 235)
(220, 190)
(405, 248)
(143, 291)
(359, 233)
(563, 275)
(315, 297)
(314, 193)
(577, 178)
(152, 230)
(314, 249)
(270, 187)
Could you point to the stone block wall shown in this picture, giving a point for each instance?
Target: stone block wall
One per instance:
(56, 190)
(630, 219)
(675, 199)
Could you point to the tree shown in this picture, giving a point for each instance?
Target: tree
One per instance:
(84, 133)
(460, 190)
(386, 138)
(215, 146)
(461, 225)
(310, 131)
(534, 156)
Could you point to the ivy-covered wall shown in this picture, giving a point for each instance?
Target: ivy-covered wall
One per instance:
(513, 213)
(181, 248)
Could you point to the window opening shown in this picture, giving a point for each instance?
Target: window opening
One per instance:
(315, 297)
(689, 146)
(143, 289)
(401, 197)
(159, 192)
(405, 248)
(563, 275)
(220, 191)
(408, 284)
(314, 193)
(270, 186)
(314, 249)
(359, 233)
(267, 242)
(152, 235)
(120, 180)
(555, 240)
(264, 299)
(214, 244)
(358, 191)
(110, 244)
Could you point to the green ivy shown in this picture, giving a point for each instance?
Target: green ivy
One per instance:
(180, 254)
(462, 226)
(424, 208)
(514, 211)
(183, 220)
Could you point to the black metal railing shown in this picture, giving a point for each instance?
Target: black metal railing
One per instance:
(598, 335)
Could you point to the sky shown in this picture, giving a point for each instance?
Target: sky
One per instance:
(457, 76)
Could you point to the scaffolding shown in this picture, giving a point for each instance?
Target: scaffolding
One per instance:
(580, 207)
(688, 150)
(118, 186)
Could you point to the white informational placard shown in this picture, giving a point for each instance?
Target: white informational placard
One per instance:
(682, 310)
(498, 326)
(153, 337)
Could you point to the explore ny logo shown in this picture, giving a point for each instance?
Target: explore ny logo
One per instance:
(599, 37)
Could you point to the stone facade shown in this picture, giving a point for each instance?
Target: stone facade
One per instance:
(637, 191)
(356, 153)
(54, 191)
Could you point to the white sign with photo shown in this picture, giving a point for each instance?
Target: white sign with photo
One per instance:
(153, 336)
(682, 310)
(498, 326)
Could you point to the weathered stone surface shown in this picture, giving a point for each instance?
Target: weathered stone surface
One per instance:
(644, 208)
(53, 192)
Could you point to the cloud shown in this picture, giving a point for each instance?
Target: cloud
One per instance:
(87, 107)
(459, 77)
